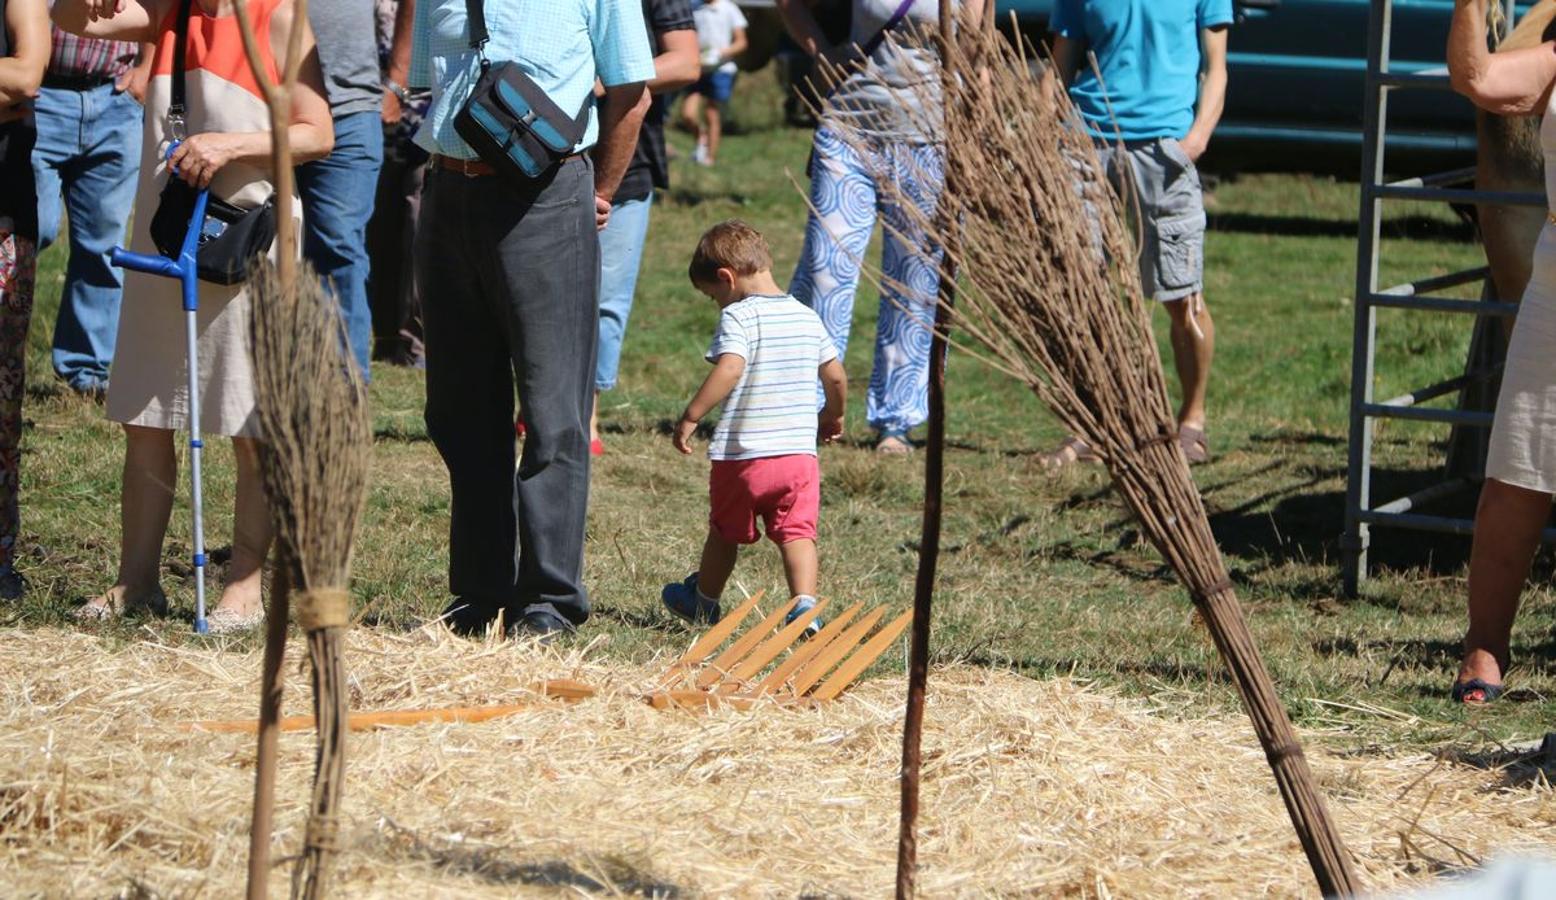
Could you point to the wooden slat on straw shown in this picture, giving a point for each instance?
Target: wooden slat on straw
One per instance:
(724, 662)
(1050, 294)
(861, 659)
(802, 655)
(555, 689)
(770, 649)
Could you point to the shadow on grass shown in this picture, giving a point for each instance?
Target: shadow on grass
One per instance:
(1417, 228)
(1517, 768)
(1031, 666)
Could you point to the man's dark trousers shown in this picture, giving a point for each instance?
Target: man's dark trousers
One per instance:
(509, 277)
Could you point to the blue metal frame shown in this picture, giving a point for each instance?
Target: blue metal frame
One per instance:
(184, 269)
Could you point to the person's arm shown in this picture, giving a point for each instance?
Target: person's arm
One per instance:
(715, 388)
(737, 46)
(677, 64)
(621, 114)
(1514, 83)
(398, 73)
(801, 24)
(135, 79)
(1067, 56)
(834, 383)
(21, 73)
(118, 20)
(1212, 93)
(312, 131)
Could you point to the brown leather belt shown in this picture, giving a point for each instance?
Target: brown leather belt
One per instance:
(475, 168)
(470, 168)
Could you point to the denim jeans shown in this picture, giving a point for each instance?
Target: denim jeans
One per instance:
(621, 254)
(337, 193)
(85, 162)
(509, 277)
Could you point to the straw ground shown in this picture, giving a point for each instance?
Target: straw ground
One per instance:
(1041, 576)
(1053, 787)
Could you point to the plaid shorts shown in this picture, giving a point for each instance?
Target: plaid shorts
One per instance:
(1165, 185)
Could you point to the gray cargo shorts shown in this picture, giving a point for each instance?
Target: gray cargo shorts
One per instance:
(1165, 186)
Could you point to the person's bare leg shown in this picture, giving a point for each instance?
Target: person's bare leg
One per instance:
(1508, 522)
(594, 418)
(718, 562)
(146, 494)
(715, 131)
(250, 534)
(800, 566)
(691, 115)
(1192, 352)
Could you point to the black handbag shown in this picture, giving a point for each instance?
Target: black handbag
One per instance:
(509, 120)
(231, 237)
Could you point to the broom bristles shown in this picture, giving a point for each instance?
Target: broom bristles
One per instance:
(1050, 289)
(313, 416)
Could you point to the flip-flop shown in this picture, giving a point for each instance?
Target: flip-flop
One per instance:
(1194, 443)
(1488, 692)
(1071, 450)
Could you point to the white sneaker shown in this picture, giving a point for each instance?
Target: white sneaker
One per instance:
(700, 155)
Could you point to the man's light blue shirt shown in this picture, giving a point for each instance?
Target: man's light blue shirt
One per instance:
(1148, 54)
(562, 44)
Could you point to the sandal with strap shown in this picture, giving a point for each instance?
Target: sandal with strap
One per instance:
(1071, 451)
(1465, 692)
(1196, 447)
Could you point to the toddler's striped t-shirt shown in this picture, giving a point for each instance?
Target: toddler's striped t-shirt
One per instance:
(772, 410)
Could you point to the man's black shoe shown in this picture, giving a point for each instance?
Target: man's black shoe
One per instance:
(469, 618)
(541, 625)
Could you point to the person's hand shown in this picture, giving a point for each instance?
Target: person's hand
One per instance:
(199, 157)
(103, 9)
(133, 82)
(831, 428)
(1193, 146)
(602, 212)
(392, 110)
(682, 435)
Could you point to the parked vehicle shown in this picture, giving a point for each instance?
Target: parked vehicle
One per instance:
(1296, 79)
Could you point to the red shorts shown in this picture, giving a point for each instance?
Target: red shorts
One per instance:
(785, 491)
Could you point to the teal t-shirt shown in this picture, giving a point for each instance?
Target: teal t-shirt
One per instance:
(1149, 57)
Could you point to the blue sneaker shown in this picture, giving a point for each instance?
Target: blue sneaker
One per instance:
(683, 599)
(802, 605)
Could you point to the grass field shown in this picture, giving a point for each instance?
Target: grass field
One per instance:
(1042, 575)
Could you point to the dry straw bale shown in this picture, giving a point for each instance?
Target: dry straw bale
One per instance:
(1041, 787)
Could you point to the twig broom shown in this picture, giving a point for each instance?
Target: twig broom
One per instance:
(314, 427)
(1050, 293)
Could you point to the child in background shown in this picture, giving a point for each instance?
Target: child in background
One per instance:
(766, 354)
(721, 36)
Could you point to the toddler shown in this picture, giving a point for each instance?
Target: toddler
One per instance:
(721, 37)
(766, 354)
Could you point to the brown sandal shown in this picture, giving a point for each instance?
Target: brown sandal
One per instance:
(1196, 447)
(1071, 450)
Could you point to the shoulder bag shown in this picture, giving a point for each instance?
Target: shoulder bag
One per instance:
(231, 238)
(509, 120)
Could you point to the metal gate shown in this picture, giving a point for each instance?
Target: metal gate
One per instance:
(1420, 296)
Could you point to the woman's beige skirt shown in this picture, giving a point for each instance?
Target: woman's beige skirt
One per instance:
(1523, 438)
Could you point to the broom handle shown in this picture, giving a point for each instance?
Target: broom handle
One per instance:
(269, 730)
(929, 540)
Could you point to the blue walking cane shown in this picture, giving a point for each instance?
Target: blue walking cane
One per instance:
(183, 269)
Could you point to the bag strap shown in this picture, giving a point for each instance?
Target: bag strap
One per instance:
(874, 43)
(475, 20)
(176, 110)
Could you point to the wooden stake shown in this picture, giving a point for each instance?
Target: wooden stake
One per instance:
(929, 540)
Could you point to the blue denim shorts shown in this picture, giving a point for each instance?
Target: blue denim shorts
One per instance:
(715, 85)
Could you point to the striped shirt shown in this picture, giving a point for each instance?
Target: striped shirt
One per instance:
(79, 57)
(772, 410)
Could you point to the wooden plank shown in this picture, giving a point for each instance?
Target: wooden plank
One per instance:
(737, 651)
(704, 646)
(769, 650)
(558, 689)
(803, 654)
(855, 665)
(695, 701)
(812, 671)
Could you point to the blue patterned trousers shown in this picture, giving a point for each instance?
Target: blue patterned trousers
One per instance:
(848, 195)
